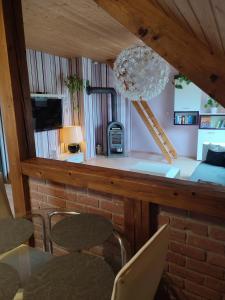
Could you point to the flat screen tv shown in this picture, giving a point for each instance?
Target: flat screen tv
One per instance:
(47, 113)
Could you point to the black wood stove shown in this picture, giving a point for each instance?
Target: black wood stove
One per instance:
(115, 130)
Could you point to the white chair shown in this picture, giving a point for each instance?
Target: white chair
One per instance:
(140, 277)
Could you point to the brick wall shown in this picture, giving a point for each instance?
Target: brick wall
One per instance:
(46, 195)
(196, 255)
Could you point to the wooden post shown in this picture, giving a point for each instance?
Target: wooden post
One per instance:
(137, 223)
(15, 99)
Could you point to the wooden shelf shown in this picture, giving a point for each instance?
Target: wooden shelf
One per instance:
(186, 118)
(47, 95)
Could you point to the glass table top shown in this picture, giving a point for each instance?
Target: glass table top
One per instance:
(30, 273)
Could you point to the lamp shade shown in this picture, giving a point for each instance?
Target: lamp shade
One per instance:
(71, 134)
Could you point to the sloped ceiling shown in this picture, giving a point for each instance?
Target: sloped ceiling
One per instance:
(205, 19)
(72, 28)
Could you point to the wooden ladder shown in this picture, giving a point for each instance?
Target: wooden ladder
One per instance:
(155, 129)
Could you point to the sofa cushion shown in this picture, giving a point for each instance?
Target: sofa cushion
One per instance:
(215, 158)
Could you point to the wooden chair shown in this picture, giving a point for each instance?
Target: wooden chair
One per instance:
(140, 277)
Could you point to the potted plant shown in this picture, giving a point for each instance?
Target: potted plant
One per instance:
(180, 81)
(75, 84)
(212, 105)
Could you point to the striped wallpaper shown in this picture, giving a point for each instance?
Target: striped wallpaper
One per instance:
(47, 74)
(98, 107)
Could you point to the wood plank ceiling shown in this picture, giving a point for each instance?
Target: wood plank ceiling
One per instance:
(73, 28)
(205, 19)
(80, 28)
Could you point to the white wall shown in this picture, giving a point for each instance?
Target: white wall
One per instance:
(184, 138)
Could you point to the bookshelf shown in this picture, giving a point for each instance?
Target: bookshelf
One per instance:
(186, 117)
(209, 121)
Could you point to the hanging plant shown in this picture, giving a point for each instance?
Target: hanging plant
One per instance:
(211, 103)
(180, 81)
(74, 84)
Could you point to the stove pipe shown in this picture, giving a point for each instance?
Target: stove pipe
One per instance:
(111, 91)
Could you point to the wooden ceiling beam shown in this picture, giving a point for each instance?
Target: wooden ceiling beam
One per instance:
(175, 44)
(15, 100)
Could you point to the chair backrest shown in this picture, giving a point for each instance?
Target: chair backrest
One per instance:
(5, 211)
(140, 277)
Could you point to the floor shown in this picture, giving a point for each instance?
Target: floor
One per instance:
(185, 164)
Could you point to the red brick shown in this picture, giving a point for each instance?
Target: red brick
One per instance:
(177, 235)
(206, 243)
(53, 190)
(39, 244)
(177, 281)
(205, 268)
(187, 250)
(202, 291)
(218, 260)
(176, 258)
(207, 219)
(87, 200)
(190, 296)
(101, 212)
(38, 235)
(217, 233)
(33, 186)
(38, 196)
(71, 195)
(188, 224)
(163, 219)
(114, 207)
(76, 189)
(100, 195)
(198, 228)
(35, 204)
(186, 274)
(179, 223)
(118, 198)
(57, 202)
(75, 207)
(215, 284)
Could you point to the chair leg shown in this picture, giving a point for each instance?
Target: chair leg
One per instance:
(123, 250)
(50, 245)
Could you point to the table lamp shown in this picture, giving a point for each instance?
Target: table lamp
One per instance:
(72, 136)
